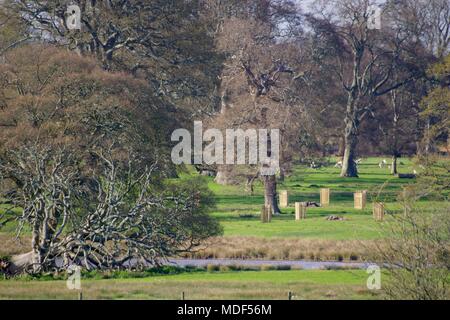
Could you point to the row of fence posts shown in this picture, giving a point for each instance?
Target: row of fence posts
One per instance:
(360, 202)
(290, 296)
(183, 296)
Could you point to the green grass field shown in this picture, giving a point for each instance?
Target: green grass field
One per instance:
(235, 205)
(238, 211)
(314, 238)
(322, 284)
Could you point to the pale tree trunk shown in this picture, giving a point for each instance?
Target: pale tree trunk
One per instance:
(349, 168)
(341, 147)
(351, 121)
(395, 133)
(270, 193)
(270, 181)
(36, 256)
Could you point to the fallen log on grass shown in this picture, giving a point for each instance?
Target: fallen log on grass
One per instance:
(20, 263)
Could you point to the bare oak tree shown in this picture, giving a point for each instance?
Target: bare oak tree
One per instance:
(256, 83)
(364, 61)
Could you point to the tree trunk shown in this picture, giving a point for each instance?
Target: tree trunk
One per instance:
(349, 168)
(394, 165)
(270, 193)
(395, 133)
(427, 147)
(20, 263)
(36, 257)
(341, 147)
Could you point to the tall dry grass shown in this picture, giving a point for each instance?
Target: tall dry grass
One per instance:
(283, 249)
(249, 248)
(9, 245)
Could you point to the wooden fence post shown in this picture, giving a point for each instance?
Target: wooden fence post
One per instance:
(284, 199)
(300, 211)
(263, 214)
(266, 213)
(360, 198)
(378, 211)
(325, 197)
(269, 213)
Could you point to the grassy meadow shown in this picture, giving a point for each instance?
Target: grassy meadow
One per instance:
(304, 284)
(245, 237)
(314, 238)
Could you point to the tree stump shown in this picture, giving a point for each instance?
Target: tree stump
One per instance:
(378, 211)
(266, 214)
(360, 198)
(300, 211)
(284, 199)
(325, 197)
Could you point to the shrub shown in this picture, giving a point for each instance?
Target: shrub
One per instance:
(224, 269)
(234, 267)
(212, 268)
(284, 267)
(267, 267)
